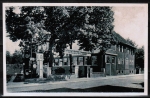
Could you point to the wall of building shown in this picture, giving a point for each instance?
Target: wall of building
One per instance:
(125, 61)
(122, 65)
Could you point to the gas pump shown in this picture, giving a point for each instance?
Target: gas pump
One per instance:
(34, 69)
(26, 62)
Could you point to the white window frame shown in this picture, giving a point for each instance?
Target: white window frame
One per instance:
(122, 48)
(119, 48)
(119, 61)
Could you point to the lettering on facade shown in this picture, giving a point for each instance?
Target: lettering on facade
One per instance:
(76, 52)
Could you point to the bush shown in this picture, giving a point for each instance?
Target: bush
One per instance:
(56, 78)
(19, 78)
(60, 70)
(8, 78)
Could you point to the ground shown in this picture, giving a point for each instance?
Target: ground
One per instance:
(124, 83)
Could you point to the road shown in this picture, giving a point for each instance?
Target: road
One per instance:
(131, 81)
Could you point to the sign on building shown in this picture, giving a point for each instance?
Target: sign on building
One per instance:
(77, 52)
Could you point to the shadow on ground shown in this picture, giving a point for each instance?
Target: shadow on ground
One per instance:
(106, 88)
(142, 84)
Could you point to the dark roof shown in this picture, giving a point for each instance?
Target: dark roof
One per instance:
(120, 39)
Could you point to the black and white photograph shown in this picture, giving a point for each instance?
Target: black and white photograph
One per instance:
(75, 49)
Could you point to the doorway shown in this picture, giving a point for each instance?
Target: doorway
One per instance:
(110, 65)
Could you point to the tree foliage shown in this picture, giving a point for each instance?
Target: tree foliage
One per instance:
(41, 24)
(8, 57)
(97, 30)
(129, 41)
(139, 57)
(139, 53)
(15, 58)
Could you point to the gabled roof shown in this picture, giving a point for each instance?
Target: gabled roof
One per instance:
(120, 39)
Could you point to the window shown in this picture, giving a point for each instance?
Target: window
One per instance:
(65, 61)
(56, 62)
(80, 61)
(113, 59)
(87, 61)
(108, 59)
(119, 61)
(122, 60)
(119, 48)
(127, 63)
(115, 47)
(122, 48)
(74, 60)
(132, 53)
(94, 60)
(132, 62)
(60, 62)
(127, 50)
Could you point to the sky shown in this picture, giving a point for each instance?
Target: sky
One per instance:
(129, 21)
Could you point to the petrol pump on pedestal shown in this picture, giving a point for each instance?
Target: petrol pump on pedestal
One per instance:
(26, 64)
(39, 59)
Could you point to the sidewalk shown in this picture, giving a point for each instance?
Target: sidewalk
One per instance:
(21, 84)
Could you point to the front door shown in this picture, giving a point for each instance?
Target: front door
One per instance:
(110, 62)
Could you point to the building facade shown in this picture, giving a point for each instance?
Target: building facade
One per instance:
(118, 60)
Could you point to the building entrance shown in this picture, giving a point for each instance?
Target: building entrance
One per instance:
(110, 65)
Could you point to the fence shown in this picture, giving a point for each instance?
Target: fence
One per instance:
(13, 68)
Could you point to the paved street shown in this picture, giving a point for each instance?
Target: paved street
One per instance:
(128, 81)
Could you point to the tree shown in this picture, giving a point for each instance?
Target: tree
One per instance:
(17, 57)
(25, 25)
(139, 53)
(97, 30)
(129, 41)
(71, 29)
(37, 23)
(92, 26)
(139, 57)
(8, 57)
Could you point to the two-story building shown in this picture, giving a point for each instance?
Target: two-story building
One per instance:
(118, 60)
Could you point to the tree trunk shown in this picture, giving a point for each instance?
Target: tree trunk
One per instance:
(70, 56)
(51, 58)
